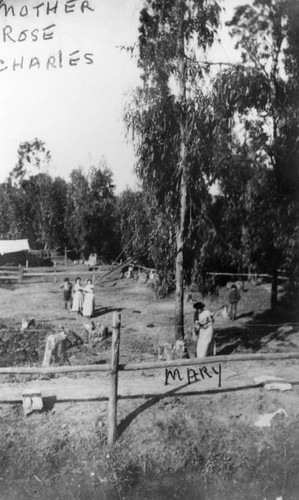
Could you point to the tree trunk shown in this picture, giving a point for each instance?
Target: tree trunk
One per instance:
(179, 268)
(181, 228)
(274, 290)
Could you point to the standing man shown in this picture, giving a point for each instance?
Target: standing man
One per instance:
(203, 323)
(67, 293)
(233, 298)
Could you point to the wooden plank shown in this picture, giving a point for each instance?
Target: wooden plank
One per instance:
(25, 370)
(60, 272)
(252, 275)
(31, 330)
(21, 272)
(236, 358)
(9, 269)
(239, 274)
(10, 277)
(125, 263)
(8, 273)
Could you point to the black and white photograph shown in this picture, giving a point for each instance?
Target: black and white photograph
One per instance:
(149, 249)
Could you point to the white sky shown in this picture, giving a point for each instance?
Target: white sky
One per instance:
(76, 111)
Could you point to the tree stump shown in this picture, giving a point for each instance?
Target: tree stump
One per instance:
(55, 351)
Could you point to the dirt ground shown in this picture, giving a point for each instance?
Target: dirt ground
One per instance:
(182, 440)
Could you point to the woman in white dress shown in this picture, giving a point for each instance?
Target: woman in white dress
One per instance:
(77, 297)
(89, 300)
(203, 320)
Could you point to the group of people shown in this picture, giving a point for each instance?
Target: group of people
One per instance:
(82, 301)
(79, 299)
(203, 323)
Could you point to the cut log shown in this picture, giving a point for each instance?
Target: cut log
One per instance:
(55, 351)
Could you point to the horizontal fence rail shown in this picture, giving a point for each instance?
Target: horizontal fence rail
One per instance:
(21, 273)
(151, 365)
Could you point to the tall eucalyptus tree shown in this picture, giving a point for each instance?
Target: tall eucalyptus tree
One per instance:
(165, 115)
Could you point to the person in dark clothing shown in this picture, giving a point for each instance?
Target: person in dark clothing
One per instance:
(67, 293)
(234, 297)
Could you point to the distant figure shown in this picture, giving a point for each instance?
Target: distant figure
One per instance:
(67, 293)
(78, 297)
(126, 271)
(233, 298)
(89, 300)
(203, 323)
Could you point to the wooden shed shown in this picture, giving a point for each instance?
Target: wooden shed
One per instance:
(14, 252)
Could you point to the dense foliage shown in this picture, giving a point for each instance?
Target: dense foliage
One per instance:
(52, 213)
(240, 130)
(260, 179)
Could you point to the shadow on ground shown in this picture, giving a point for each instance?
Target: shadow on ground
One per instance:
(105, 310)
(257, 333)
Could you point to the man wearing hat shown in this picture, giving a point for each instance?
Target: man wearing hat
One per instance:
(233, 298)
(203, 321)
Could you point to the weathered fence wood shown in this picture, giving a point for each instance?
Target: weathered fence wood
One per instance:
(252, 275)
(25, 370)
(112, 405)
(208, 360)
(239, 274)
(34, 370)
(116, 268)
(60, 272)
(9, 268)
(21, 272)
(11, 274)
(55, 275)
(10, 277)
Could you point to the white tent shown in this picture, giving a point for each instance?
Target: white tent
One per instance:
(12, 246)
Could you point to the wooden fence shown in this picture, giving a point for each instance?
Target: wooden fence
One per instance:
(115, 367)
(97, 274)
(20, 274)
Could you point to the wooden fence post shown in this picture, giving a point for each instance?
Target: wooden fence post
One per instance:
(112, 405)
(20, 273)
(55, 276)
